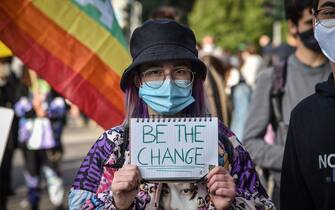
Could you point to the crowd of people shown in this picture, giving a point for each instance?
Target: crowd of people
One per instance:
(275, 105)
(40, 114)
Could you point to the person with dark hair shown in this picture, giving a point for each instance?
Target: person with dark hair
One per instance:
(165, 78)
(8, 87)
(280, 89)
(166, 12)
(215, 86)
(308, 176)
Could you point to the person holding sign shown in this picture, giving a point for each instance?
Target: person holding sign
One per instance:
(165, 78)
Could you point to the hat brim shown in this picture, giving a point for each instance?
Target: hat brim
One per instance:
(163, 52)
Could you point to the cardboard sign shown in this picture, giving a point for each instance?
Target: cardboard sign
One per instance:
(6, 116)
(167, 149)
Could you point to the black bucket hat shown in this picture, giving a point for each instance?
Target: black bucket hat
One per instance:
(161, 40)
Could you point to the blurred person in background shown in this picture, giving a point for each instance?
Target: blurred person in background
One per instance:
(308, 176)
(240, 94)
(209, 47)
(42, 112)
(228, 94)
(8, 97)
(166, 12)
(284, 50)
(234, 76)
(208, 44)
(240, 98)
(280, 89)
(265, 44)
(252, 64)
(266, 49)
(215, 85)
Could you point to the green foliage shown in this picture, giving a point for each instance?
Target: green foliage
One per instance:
(231, 22)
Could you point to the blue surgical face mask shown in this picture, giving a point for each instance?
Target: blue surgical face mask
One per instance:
(168, 99)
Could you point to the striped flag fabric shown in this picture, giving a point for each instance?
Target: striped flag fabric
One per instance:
(77, 46)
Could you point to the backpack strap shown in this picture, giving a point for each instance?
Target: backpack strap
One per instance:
(277, 92)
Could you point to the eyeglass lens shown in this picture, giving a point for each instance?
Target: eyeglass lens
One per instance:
(326, 17)
(155, 76)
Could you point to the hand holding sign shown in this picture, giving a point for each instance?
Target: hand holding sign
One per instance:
(125, 186)
(221, 187)
(174, 149)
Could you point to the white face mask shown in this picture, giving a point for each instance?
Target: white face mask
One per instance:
(326, 38)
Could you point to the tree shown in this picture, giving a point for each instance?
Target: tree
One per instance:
(231, 22)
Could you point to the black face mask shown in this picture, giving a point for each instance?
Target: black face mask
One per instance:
(309, 41)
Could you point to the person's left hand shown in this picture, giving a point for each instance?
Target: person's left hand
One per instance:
(221, 187)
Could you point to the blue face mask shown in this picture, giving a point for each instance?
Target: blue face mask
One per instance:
(168, 99)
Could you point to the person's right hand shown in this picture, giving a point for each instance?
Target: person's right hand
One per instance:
(125, 186)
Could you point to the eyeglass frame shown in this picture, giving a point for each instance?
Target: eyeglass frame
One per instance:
(142, 74)
(316, 15)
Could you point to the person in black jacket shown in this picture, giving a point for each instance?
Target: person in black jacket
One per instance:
(8, 97)
(308, 175)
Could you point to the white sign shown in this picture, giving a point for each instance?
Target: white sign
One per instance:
(6, 116)
(167, 149)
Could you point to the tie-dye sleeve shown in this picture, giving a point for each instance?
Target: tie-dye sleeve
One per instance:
(250, 192)
(91, 187)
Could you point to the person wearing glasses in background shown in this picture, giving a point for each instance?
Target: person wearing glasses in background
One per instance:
(308, 176)
(165, 78)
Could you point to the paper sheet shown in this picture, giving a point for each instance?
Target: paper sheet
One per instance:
(6, 118)
(174, 148)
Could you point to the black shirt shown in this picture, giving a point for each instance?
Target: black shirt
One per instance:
(308, 175)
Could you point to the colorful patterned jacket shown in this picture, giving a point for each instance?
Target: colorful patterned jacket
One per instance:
(92, 185)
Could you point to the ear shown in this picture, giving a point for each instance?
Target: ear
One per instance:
(292, 28)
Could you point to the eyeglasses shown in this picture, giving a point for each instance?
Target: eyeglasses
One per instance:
(154, 76)
(325, 16)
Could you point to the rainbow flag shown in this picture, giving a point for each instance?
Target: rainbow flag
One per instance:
(75, 45)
